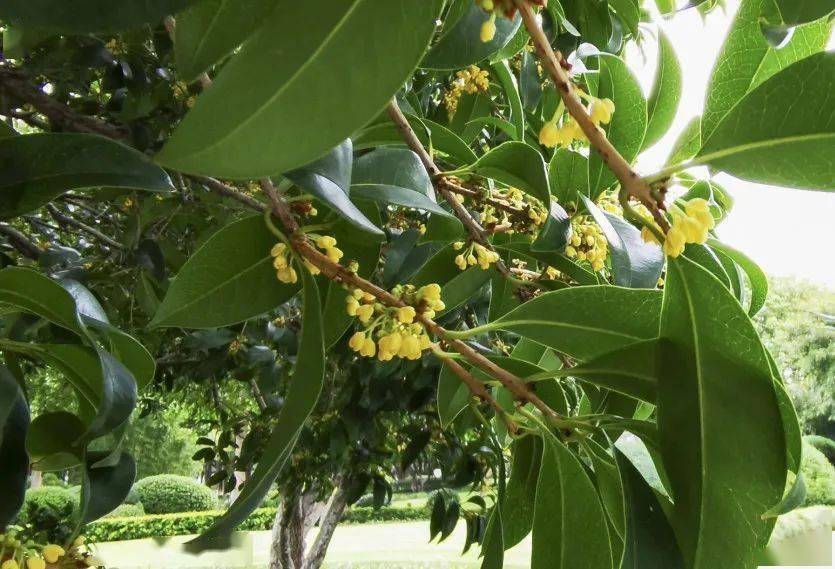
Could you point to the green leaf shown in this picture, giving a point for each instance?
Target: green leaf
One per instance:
(85, 16)
(305, 387)
(516, 164)
(208, 31)
(6, 130)
(329, 179)
(520, 497)
(716, 402)
(568, 523)
(9, 391)
(629, 121)
(795, 151)
(33, 292)
(393, 167)
(650, 542)
(395, 195)
(561, 319)
(666, 92)
(229, 279)
(293, 110)
(40, 167)
(688, 142)
(635, 264)
(555, 233)
(15, 472)
(609, 485)
(461, 45)
(747, 59)
(494, 545)
(104, 488)
(52, 441)
(511, 91)
(789, 13)
(568, 173)
(457, 286)
(453, 396)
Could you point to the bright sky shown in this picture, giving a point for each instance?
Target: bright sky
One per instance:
(788, 232)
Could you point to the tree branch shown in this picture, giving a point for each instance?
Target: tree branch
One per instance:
(20, 242)
(80, 225)
(630, 181)
(444, 187)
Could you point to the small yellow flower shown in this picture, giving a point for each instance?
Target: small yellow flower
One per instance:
(287, 275)
(550, 135)
(51, 553)
(369, 348)
(278, 249)
(601, 111)
(430, 292)
(406, 314)
(460, 262)
(410, 348)
(351, 305)
(334, 254)
(458, 245)
(674, 242)
(391, 343)
(35, 563)
(488, 29)
(365, 312)
(10, 564)
(312, 269)
(357, 341)
(325, 241)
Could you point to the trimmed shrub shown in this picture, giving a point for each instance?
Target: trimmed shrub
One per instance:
(55, 500)
(127, 511)
(820, 477)
(52, 479)
(823, 444)
(168, 525)
(170, 494)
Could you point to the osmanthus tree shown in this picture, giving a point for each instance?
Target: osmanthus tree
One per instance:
(421, 181)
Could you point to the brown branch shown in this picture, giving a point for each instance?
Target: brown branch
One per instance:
(15, 88)
(444, 187)
(630, 181)
(20, 242)
(230, 192)
(66, 220)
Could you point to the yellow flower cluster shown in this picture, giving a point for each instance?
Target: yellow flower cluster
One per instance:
(475, 254)
(491, 215)
(690, 225)
(587, 242)
(117, 47)
(600, 111)
(281, 258)
(18, 554)
(396, 332)
(471, 80)
(505, 8)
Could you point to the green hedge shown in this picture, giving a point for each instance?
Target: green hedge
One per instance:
(56, 499)
(823, 444)
(169, 494)
(820, 477)
(167, 525)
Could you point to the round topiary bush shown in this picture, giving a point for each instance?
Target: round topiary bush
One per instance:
(820, 477)
(54, 501)
(823, 444)
(169, 494)
(127, 511)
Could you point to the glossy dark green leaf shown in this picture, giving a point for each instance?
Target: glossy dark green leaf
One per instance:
(329, 179)
(105, 488)
(33, 292)
(9, 391)
(393, 167)
(461, 45)
(568, 172)
(511, 90)
(555, 234)
(666, 92)
(650, 542)
(441, 138)
(609, 485)
(334, 75)
(519, 165)
(229, 279)
(453, 396)
(788, 13)
(305, 386)
(520, 497)
(52, 441)
(704, 256)
(14, 458)
(209, 31)
(395, 195)
(569, 523)
(560, 320)
(85, 16)
(471, 107)
(795, 151)
(629, 121)
(716, 403)
(635, 264)
(747, 59)
(793, 499)
(40, 167)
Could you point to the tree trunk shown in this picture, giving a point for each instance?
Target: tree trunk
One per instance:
(296, 516)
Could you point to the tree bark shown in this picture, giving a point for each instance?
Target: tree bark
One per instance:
(327, 526)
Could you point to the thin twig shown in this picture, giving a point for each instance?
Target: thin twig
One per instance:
(80, 225)
(20, 242)
(630, 181)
